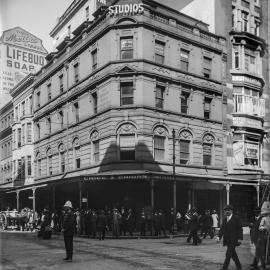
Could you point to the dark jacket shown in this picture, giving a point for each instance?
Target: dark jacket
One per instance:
(231, 231)
(194, 222)
(254, 230)
(101, 221)
(69, 224)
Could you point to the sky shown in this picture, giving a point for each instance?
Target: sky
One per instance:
(35, 16)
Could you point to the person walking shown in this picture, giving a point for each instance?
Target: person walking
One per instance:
(215, 221)
(68, 230)
(207, 223)
(232, 232)
(194, 227)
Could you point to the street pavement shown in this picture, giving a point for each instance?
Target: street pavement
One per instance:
(25, 251)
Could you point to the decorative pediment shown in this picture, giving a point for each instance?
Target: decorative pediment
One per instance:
(126, 69)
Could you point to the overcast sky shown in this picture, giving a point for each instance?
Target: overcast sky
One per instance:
(35, 16)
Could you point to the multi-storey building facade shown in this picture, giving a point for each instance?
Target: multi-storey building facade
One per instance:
(248, 99)
(6, 120)
(126, 112)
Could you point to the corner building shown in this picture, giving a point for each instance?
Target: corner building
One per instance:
(132, 112)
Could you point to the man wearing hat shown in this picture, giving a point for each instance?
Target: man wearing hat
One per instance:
(68, 230)
(232, 233)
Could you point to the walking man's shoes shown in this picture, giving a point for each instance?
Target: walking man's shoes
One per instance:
(65, 259)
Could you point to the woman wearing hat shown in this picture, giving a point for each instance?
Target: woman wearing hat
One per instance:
(68, 230)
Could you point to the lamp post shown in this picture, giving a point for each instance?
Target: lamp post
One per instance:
(174, 185)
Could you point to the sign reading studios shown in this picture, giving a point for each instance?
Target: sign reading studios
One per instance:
(126, 9)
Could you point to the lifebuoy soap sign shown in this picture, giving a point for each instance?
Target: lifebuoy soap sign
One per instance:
(21, 53)
(124, 9)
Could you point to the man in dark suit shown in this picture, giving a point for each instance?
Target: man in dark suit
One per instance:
(68, 230)
(232, 233)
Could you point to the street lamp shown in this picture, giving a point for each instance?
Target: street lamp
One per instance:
(174, 185)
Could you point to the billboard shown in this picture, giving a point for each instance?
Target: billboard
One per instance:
(21, 53)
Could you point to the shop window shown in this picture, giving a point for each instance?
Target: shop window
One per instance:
(127, 146)
(160, 90)
(159, 52)
(126, 48)
(126, 95)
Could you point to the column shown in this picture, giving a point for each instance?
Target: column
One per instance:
(34, 199)
(53, 197)
(18, 198)
(258, 194)
(152, 194)
(228, 186)
(80, 194)
(189, 199)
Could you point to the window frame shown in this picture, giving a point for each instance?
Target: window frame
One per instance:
(127, 49)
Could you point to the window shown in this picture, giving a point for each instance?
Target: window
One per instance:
(49, 89)
(159, 147)
(29, 165)
(244, 21)
(39, 166)
(249, 61)
(207, 107)
(76, 72)
(19, 137)
(94, 59)
(38, 99)
(126, 48)
(62, 161)
(30, 105)
(29, 132)
(19, 168)
(61, 83)
(257, 28)
(76, 154)
(38, 131)
(160, 96)
(76, 112)
(126, 89)
(245, 3)
(184, 151)
(23, 108)
(236, 57)
(87, 13)
(184, 102)
(49, 126)
(23, 168)
(207, 154)
(159, 52)
(23, 134)
(49, 162)
(61, 117)
(95, 101)
(127, 146)
(69, 30)
(14, 138)
(184, 59)
(96, 151)
(207, 63)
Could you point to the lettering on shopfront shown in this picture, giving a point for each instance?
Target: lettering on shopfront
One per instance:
(126, 9)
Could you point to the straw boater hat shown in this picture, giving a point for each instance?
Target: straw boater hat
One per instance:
(265, 208)
(68, 204)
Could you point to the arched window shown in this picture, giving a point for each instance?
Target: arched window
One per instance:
(38, 159)
(49, 161)
(208, 149)
(76, 154)
(94, 138)
(160, 142)
(185, 147)
(126, 134)
(62, 162)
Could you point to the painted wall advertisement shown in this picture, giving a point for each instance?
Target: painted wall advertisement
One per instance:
(21, 53)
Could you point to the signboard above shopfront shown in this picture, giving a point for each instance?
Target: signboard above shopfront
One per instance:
(125, 9)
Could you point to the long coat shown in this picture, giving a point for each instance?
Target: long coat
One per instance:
(231, 231)
(69, 224)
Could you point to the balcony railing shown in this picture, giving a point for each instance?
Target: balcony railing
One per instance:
(249, 105)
